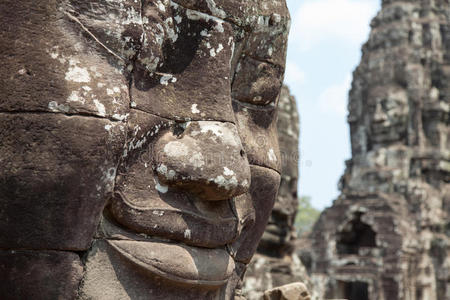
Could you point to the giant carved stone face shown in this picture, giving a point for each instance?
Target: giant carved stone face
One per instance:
(387, 115)
(142, 136)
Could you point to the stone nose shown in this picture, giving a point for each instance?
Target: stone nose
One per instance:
(204, 158)
(379, 114)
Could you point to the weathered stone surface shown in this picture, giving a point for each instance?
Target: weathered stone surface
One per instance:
(43, 275)
(260, 142)
(112, 273)
(263, 191)
(386, 236)
(57, 173)
(256, 82)
(192, 81)
(55, 66)
(123, 115)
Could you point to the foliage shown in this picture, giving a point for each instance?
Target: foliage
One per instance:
(307, 215)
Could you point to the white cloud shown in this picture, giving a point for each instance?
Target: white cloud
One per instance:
(334, 98)
(317, 21)
(293, 75)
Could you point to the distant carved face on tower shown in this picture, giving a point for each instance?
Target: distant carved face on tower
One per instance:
(388, 115)
(159, 119)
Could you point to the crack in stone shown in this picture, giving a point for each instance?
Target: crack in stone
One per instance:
(79, 114)
(264, 167)
(188, 119)
(262, 60)
(76, 20)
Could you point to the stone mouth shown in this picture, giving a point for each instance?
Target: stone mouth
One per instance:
(176, 224)
(178, 263)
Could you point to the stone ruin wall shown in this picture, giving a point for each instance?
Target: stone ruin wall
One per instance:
(387, 236)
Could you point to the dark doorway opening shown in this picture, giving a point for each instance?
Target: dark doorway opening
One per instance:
(353, 290)
(356, 234)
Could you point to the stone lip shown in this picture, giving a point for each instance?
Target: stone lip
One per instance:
(195, 228)
(182, 264)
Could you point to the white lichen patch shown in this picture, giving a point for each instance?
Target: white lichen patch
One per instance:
(198, 16)
(165, 79)
(170, 31)
(271, 155)
(132, 17)
(77, 74)
(225, 183)
(171, 174)
(221, 133)
(178, 19)
(205, 33)
(162, 189)
(213, 52)
(159, 213)
(75, 97)
(137, 144)
(120, 117)
(227, 172)
(55, 107)
(162, 169)
(176, 149)
(197, 160)
(161, 6)
(213, 127)
(194, 109)
(100, 108)
(108, 176)
(245, 183)
(216, 10)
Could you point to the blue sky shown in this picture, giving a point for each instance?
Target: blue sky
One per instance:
(324, 48)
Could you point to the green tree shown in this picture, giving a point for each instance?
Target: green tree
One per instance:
(307, 215)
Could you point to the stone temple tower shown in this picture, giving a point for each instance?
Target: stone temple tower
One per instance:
(387, 236)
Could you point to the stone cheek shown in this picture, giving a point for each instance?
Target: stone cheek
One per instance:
(258, 131)
(57, 172)
(27, 274)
